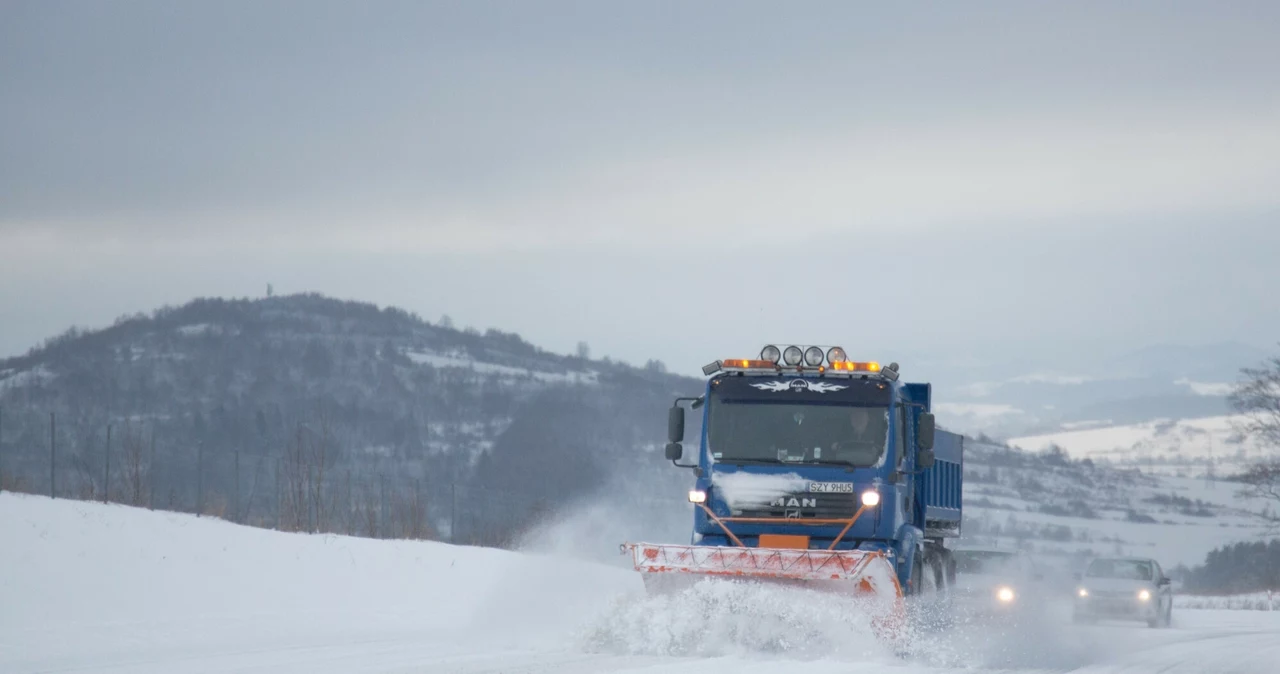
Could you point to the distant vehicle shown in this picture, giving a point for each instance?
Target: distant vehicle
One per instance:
(1124, 588)
(995, 582)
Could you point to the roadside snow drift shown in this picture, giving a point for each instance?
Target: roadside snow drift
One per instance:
(86, 587)
(85, 584)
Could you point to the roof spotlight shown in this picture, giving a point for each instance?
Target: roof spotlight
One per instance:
(836, 355)
(813, 356)
(770, 353)
(792, 355)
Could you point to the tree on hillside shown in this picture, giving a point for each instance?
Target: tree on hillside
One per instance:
(1257, 399)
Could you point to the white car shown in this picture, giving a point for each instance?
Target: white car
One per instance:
(991, 582)
(1124, 588)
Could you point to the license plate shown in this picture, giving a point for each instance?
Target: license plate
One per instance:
(831, 487)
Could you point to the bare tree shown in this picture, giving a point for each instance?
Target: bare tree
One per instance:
(1262, 481)
(409, 514)
(308, 458)
(1257, 399)
(87, 464)
(137, 465)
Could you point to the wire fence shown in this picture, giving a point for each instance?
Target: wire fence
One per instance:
(299, 489)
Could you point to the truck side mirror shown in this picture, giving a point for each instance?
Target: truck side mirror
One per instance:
(925, 459)
(675, 425)
(924, 431)
(675, 451)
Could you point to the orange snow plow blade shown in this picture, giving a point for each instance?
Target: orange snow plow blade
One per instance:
(866, 576)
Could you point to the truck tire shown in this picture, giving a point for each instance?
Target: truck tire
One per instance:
(916, 578)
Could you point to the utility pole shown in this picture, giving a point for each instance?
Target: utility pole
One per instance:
(235, 516)
(151, 471)
(278, 497)
(1, 448)
(383, 528)
(199, 478)
(106, 471)
(53, 459)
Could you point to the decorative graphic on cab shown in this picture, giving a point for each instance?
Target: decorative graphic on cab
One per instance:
(799, 385)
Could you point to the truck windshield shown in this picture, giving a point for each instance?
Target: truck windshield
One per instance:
(768, 432)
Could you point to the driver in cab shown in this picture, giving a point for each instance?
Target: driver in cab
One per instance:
(862, 439)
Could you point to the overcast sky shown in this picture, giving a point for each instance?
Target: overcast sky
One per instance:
(681, 181)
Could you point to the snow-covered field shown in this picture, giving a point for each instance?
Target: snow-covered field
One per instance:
(91, 588)
(1254, 601)
(1186, 447)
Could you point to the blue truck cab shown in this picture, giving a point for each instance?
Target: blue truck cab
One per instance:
(794, 443)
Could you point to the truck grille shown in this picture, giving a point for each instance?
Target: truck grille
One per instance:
(801, 505)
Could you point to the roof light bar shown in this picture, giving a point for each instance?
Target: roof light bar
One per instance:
(774, 358)
(855, 366)
(746, 364)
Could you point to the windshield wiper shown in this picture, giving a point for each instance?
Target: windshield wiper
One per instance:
(761, 461)
(849, 464)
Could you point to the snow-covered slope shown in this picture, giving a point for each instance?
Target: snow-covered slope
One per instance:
(1071, 509)
(1187, 447)
(88, 587)
(114, 588)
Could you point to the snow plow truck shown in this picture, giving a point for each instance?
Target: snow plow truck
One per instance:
(816, 470)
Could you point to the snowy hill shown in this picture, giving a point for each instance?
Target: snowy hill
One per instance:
(1186, 448)
(324, 413)
(1068, 508)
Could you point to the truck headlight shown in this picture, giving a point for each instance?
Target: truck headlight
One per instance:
(1005, 594)
(870, 498)
(1144, 595)
(1082, 593)
(697, 496)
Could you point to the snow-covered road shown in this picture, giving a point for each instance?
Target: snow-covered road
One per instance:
(92, 588)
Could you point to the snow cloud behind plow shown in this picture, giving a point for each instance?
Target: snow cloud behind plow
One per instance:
(728, 617)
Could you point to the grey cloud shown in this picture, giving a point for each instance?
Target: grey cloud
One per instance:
(978, 179)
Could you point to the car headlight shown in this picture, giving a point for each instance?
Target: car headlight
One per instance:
(1082, 593)
(1005, 594)
(1144, 595)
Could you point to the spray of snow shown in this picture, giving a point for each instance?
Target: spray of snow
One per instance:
(738, 488)
(724, 617)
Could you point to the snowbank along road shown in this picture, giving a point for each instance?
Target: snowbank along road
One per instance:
(91, 588)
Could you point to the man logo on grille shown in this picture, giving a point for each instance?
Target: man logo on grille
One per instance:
(793, 502)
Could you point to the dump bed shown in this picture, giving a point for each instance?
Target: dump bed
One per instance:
(941, 486)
